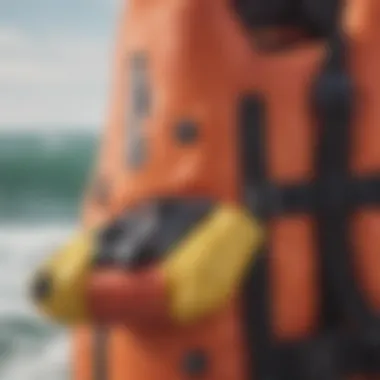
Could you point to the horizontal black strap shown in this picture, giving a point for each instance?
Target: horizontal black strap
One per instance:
(270, 200)
(329, 356)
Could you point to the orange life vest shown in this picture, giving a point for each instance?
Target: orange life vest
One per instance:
(199, 111)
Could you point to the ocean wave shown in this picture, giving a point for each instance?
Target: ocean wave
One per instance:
(30, 347)
(43, 175)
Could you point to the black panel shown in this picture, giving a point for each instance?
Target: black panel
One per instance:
(147, 233)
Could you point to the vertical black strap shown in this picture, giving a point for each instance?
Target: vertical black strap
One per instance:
(256, 298)
(334, 96)
(252, 137)
(100, 354)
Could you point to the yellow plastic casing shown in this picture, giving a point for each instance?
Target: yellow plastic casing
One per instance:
(205, 269)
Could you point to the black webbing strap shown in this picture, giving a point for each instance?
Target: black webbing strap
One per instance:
(256, 298)
(269, 200)
(334, 96)
(359, 350)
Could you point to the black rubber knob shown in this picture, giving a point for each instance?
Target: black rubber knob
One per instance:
(195, 363)
(42, 287)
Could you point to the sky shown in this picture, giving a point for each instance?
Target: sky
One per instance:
(55, 58)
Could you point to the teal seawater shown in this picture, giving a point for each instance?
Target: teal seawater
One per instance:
(42, 175)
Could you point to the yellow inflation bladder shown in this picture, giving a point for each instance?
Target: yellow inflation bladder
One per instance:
(59, 284)
(205, 269)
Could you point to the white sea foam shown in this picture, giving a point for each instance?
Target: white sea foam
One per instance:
(30, 348)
